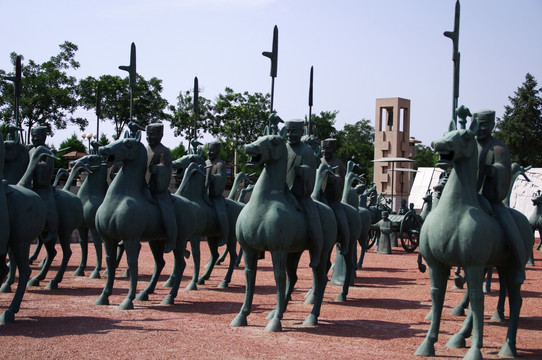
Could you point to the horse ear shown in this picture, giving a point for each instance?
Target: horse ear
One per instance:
(138, 135)
(452, 126)
(266, 131)
(126, 134)
(474, 125)
(283, 132)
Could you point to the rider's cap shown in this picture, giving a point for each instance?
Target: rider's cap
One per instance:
(330, 142)
(295, 124)
(155, 126)
(485, 116)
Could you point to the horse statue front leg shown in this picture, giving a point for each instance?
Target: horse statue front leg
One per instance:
(196, 258)
(438, 274)
(279, 270)
(132, 248)
(110, 246)
(251, 266)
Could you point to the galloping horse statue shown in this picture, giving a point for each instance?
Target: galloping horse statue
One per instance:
(193, 188)
(270, 222)
(130, 214)
(458, 232)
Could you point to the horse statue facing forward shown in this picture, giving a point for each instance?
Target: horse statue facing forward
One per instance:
(270, 222)
(129, 213)
(458, 232)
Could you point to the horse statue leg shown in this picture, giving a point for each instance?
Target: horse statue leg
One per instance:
(132, 248)
(19, 253)
(251, 266)
(157, 249)
(292, 263)
(110, 246)
(83, 242)
(196, 258)
(279, 270)
(438, 274)
(64, 238)
(97, 240)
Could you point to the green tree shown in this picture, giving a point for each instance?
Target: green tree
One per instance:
(103, 140)
(48, 93)
(149, 105)
(325, 124)
(356, 142)
(178, 152)
(182, 120)
(73, 144)
(521, 125)
(425, 157)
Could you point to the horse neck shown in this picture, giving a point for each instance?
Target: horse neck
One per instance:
(96, 182)
(461, 185)
(131, 176)
(272, 179)
(192, 187)
(348, 185)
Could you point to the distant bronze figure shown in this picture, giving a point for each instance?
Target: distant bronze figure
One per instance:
(216, 184)
(385, 227)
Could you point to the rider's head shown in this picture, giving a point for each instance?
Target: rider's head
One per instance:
(329, 146)
(213, 150)
(39, 134)
(385, 214)
(154, 134)
(294, 130)
(486, 123)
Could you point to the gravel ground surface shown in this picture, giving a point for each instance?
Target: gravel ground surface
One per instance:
(382, 318)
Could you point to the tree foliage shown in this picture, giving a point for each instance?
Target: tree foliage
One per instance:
(48, 93)
(182, 120)
(521, 125)
(356, 142)
(324, 124)
(148, 104)
(425, 157)
(73, 144)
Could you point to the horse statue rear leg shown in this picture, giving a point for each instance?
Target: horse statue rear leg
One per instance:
(20, 257)
(251, 266)
(110, 246)
(157, 249)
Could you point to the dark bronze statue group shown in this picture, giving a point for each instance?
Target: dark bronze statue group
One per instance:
(304, 199)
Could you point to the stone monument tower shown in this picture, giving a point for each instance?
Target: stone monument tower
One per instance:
(392, 143)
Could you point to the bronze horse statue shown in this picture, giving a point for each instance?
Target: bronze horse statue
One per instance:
(536, 217)
(193, 188)
(458, 232)
(22, 218)
(130, 214)
(92, 194)
(271, 222)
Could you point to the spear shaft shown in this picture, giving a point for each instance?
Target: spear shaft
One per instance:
(132, 76)
(17, 82)
(273, 56)
(310, 102)
(454, 36)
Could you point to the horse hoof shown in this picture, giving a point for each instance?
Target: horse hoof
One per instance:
(458, 311)
(426, 348)
(95, 274)
(508, 350)
(422, 268)
(309, 299)
(168, 283)
(473, 354)
(340, 298)
(168, 300)
(102, 300)
(53, 285)
(274, 326)
(457, 342)
(429, 315)
(201, 281)
(497, 316)
(270, 315)
(33, 282)
(142, 296)
(530, 263)
(7, 317)
(191, 286)
(79, 272)
(240, 320)
(126, 304)
(6, 288)
(311, 320)
(223, 284)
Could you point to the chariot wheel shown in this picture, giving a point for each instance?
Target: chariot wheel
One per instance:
(410, 231)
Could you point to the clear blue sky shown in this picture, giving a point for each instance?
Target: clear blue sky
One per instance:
(361, 50)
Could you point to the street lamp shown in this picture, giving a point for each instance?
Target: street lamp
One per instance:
(88, 136)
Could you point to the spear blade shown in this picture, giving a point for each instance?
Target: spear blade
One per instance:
(310, 100)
